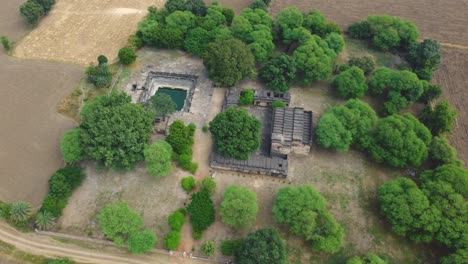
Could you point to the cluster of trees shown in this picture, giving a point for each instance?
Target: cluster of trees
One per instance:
(162, 104)
(181, 139)
(304, 210)
(235, 133)
(122, 225)
(260, 4)
(33, 10)
(436, 209)
(176, 220)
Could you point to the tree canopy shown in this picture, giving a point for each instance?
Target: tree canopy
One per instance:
(32, 11)
(162, 104)
(115, 131)
(442, 153)
(278, 73)
(118, 222)
(350, 83)
(70, 146)
(439, 119)
(304, 210)
(239, 207)
(141, 242)
(127, 55)
(424, 57)
(263, 246)
(158, 158)
(235, 133)
(201, 210)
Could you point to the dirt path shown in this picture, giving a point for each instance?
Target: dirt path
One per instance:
(44, 246)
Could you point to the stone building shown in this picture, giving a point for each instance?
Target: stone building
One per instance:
(264, 97)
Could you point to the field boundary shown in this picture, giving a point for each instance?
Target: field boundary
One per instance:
(156, 250)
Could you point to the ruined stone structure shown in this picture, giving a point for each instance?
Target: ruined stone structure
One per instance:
(291, 131)
(264, 97)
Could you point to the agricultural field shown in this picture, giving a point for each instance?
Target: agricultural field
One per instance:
(78, 31)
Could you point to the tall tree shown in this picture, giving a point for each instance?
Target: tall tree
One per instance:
(20, 212)
(32, 12)
(351, 83)
(439, 119)
(263, 246)
(162, 104)
(424, 57)
(278, 73)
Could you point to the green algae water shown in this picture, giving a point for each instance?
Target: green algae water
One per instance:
(177, 95)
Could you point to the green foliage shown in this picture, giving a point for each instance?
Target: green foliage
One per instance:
(335, 41)
(32, 11)
(172, 240)
(235, 133)
(205, 128)
(259, 4)
(44, 220)
(263, 246)
(5, 43)
(246, 97)
(431, 92)
(228, 61)
(127, 55)
(70, 146)
(346, 124)
(99, 75)
(360, 30)
(214, 19)
(175, 5)
(158, 158)
(46, 4)
(197, 7)
(230, 247)
(208, 248)
(303, 209)
(439, 119)
(53, 205)
(201, 210)
(197, 40)
(59, 261)
(285, 22)
(118, 222)
(400, 141)
(102, 60)
(369, 259)
(176, 220)
(239, 207)
(185, 162)
(459, 257)
(162, 104)
(229, 14)
(424, 57)
(408, 210)
(279, 104)
(115, 131)
(441, 152)
(179, 20)
(141, 242)
(5, 209)
(278, 73)
(351, 83)
(366, 63)
(20, 212)
(188, 183)
(180, 138)
(208, 185)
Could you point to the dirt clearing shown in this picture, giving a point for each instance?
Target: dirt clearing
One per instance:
(78, 31)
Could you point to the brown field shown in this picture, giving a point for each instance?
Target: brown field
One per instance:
(78, 31)
(30, 127)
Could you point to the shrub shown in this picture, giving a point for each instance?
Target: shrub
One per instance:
(230, 247)
(431, 92)
(5, 209)
(172, 240)
(351, 83)
(127, 55)
(208, 248)
(239, 207)
(201, 211)
(279, 104)
(20, 212)
(247, 97)
(188, 183)
(53, 205)
(208, 184)
(176, 220)
(366, 63)
(197, 235)
(259, 4)
(205, 128)
(44, 220)
(70, 146)
(228, 13)
(141, 242)
(185, 162)
(32, 12)
(5, 43)
(118, 221)
(424, 57)
(59, 261)
(99, 75)
(158, 158)
(102, 59)
(180, 137)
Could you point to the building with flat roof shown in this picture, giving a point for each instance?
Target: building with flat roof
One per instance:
(264, 97)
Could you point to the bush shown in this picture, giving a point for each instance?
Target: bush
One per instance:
(185, 162)
(366, 63)
(208, 248)
(440, 119)
(230, 247)
(180, 138)
(205, 128)
(172, 240)
(188, 183)
(351, 83)
(127, 55)
(208, 184)
(201, 211)
(5, 209)
(5, 43)
(99, 75)
(44, 220)
(279, 104)
(176, 220)
(239, 207)
(118, 222)
(158, 158)
(32, 12)
(59, 261)
(53, 205)
(70, 146)
(197, 235)
(141, 242)
(442, 153)
(102, 59)
(431, 92)
(259, 4)
(20, 212)
(247, 97)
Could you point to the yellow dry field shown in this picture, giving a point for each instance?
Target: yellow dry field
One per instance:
(78, 31)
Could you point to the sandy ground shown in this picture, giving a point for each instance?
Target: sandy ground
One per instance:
(78, 31)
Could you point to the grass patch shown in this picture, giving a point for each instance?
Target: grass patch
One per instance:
(356, 48)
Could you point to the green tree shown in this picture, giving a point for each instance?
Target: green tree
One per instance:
(331, 133)
(446, 187)
(228, 61)
(214, 19)
(400, 141)
(460, 256)
(335, 41)
(386, 40)
(279, 104)
(175, 5)
(440, 119)
(315, 23)
(369, 259)
(118, 222)
(20, 212)
(32, 12)
(201, 211)
(313, 60)
(360, 30)
(70, 146)
(162, 104)
(176, 220)
(115, 131)
(208, 184)
(181, 20)
(235, 133)
(208, 248)
(303, 209)
(197, 40)
(408, 210)
(44, 220)
(99, 75)
(102, 59)
(246, 97)
(366, 63)
(5, 43)
(263, 246)
(59, 261)
(197, 7)
(285, 22)
(278, 73)
(188, 183)
(127, 55)
(259, 4)
(46, 4)
(141, 242)
(180, 138)
(441, 152)
(229, 14)
(172, 240)
(431, 92)
(158, 158)
(351, 83)
(424, 57)
(239, 207)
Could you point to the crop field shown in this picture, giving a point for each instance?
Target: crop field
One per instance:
(78, 31)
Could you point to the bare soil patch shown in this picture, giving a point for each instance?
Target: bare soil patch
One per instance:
(78, 31)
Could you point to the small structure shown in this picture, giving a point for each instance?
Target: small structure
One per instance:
(231, 98)
(264, 97)
(291, 131)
